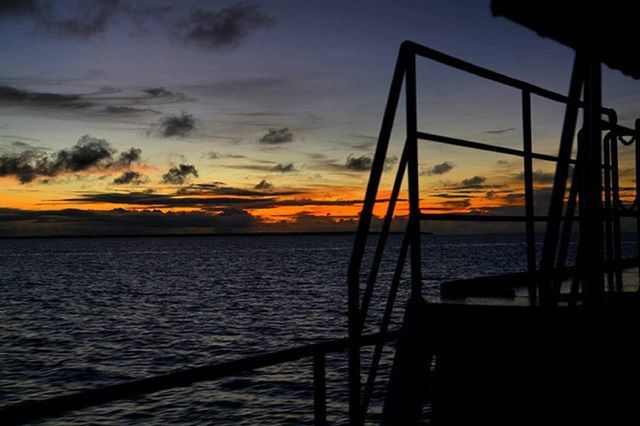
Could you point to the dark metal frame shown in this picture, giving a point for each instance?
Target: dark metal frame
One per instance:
(543, 286)
(31, 410)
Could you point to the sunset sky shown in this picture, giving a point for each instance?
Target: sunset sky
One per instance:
(225, 116)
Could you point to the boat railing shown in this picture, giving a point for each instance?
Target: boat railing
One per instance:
(543, 288)
(35, 409)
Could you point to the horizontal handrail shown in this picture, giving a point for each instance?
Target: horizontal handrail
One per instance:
(22, 412)
(432, 137)
(497, 77)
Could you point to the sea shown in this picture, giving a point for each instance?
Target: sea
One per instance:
(80, 313)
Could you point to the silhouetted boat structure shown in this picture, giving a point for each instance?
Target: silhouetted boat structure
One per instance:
(552, 345)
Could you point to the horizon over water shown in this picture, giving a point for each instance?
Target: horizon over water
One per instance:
(80, 313)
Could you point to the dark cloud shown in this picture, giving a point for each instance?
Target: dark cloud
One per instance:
(277, 136)
(277, 168)
(180, 126)
(82, 20)
(283, 168)
(125, 110)
(539, 176)
(178, 175)
(224, 28)
(87, 19)
(12, 96)
(263, 184)
(363, 142)
(130, 178)
(212, 155)
(499, 131)
(457, 204)
(89, 153)
(473, 182)
(439, 169)
(121, 221)
(158, 92)
(98, 103)
(17, 7)
(219, 188)
(358, 164)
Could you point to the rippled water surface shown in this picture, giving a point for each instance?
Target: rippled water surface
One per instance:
(80, 313)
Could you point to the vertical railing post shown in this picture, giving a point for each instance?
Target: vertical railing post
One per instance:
(319, 390)
(609, 141)
(559, 182)
(528, 195)
(413, 175)
(592, 233)
(636, 201)
(615, 189)
(355, 263)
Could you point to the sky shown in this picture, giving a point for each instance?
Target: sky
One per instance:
(135, 117)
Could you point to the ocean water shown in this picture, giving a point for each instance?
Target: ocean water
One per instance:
(79, 313)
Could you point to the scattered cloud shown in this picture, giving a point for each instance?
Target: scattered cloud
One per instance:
(213, 155)
(283, 168)
(500, 131)
(180, 126)
(539, 176)
(474, 181)
(89, 153)
(130, 178)
(223, 28)
(276, 136)
(12, 96)
(358, 164)
(263, 184)
(363, 142)
(178, 175)
(439, 169)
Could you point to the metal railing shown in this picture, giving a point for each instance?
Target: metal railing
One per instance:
(556, 243)
(31, 410)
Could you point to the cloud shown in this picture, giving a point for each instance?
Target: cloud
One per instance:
(89, 153)
(539, 176)
(277, 168)
(500, 131)
(130, 178)
(86, 19)
(95, 104)
(180, 174)
(457, 204)
(363, 142)
(283, 168)
(219, 188)
(121, 221)
(212, 155)
(125, 110)
(277, 136)
(358, 164)
(263, 184)
(180, 126)
(158, 91)
(439, 169)
(473, 182)
(12, 96)
(223, 28)
(17, 7)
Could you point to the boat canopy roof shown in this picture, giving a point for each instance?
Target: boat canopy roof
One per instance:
(610, 29)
